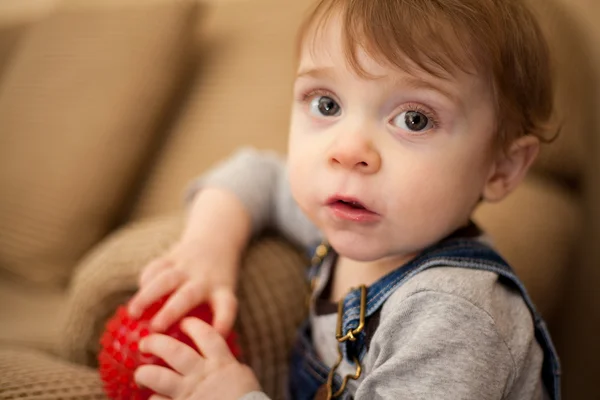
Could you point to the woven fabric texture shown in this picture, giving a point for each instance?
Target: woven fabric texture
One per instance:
(27, 374)
(106, 278)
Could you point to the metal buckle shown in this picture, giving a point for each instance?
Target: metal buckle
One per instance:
(351, 336)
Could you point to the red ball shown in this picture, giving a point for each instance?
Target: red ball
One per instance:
(119, 355)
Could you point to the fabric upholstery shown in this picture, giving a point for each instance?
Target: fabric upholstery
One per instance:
(79, 107)
(241, 95)
(34, 375)
(29, 315)
(106, 278)
(9, 37)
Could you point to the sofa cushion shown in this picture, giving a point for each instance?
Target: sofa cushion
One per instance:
(30, 316)
(29, 374)
(80, 107)
(241, 95)
(10, 33)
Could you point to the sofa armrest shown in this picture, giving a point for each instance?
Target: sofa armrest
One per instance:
(106, 278)
(30, 374)
(272, 295)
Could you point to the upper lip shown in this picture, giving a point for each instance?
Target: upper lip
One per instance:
(347, 199)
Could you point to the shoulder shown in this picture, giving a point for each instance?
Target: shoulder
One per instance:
(483, 290)
(471, 301)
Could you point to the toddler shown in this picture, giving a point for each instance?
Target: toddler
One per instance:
(406, 115)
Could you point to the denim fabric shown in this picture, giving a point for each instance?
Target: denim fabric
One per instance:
(308, 373)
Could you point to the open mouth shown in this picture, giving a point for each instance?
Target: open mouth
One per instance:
(352, 209)
(352, 204)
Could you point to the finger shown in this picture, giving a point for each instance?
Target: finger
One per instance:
(152, 269)
(210, 343)
(224, 305)
(160, 379)
(183, 300)
(164, 283)
(181, 357)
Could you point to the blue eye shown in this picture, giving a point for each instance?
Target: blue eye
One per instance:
(324, 106)
(413, 121)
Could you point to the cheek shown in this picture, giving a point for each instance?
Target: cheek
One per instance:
(444, 187)
(299, 170)
(304, 151)
(303, 190)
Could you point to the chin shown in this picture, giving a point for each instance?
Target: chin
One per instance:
(355, 247)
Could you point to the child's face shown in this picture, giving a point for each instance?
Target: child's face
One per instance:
(414, 150)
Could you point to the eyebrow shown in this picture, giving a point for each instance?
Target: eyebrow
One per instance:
(421, 84)
(317, 73)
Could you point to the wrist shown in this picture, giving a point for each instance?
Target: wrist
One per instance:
(218, 221)
(209, 252)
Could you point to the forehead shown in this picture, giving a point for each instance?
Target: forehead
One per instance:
(322, 55)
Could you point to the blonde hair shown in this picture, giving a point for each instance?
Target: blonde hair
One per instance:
(499, 39)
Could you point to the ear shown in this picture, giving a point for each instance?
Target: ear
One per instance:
(510, 168)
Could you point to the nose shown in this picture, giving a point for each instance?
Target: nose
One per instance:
(356, 153)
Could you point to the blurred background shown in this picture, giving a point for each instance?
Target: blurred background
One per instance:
(109, 108)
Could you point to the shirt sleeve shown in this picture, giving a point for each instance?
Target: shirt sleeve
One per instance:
(260, 180)
(445, 347)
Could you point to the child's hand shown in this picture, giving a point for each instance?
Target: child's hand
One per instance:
(216, 374)
(193, 276)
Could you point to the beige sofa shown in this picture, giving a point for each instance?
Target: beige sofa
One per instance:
(109, 109)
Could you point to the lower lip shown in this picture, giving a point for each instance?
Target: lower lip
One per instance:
(349, 213)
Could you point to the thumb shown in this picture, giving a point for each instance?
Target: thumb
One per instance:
(225, 306)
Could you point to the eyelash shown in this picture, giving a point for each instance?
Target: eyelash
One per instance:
(307, 96)
(420, 109)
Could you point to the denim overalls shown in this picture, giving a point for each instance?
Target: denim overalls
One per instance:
(309, 375)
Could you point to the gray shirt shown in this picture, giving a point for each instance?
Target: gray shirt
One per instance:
(447, 333)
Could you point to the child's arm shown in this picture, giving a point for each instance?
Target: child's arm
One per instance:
(259, 179)
(242, 195)
(239, 197)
